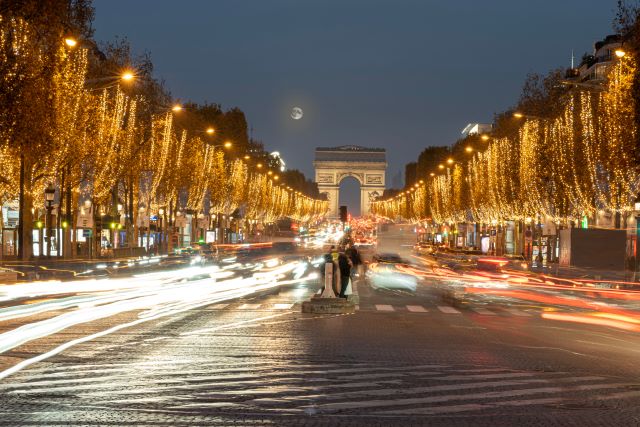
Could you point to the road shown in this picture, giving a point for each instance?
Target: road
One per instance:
(253, 359)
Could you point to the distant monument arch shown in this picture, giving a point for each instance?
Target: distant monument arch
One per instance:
(367, 165)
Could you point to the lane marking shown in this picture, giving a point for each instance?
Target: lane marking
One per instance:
(384, 307)
(517, 312)
(249, 307)
(282, 306)
(447, 309)
(417, 309)
(483, 311)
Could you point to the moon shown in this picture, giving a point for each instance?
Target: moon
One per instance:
(296, 113)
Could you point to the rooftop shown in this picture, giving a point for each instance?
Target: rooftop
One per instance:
(350, 153)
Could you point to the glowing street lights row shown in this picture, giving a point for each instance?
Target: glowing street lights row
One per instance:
(128, 76)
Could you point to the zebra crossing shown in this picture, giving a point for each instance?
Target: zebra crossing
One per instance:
(425, 308)
(450, 310)
(308, 387)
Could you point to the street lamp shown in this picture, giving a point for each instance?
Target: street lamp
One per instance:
(468, 149)
(176, 108)
(49, 196)
(127, 76)
(210, 131)
(70, 41)
(485, 137)
(227, 144)
(161, 238)
(637, 216)
(519, 115)
(620, 53)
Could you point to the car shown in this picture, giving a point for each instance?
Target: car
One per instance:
(423, 248)
(391, 271)
(364, 243)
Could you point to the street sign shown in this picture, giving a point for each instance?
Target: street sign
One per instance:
(86, 232)
(85, 218)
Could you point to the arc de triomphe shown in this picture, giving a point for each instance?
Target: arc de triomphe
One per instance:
(367, 165)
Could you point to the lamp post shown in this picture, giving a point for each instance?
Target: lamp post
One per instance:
(49, 196)
(162, 238)
(636, 207)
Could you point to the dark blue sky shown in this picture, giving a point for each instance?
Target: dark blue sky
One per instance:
(398, 74)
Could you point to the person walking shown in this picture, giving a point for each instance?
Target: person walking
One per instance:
(344, 265)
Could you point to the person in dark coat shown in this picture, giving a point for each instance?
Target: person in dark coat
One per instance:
(356, 260)
(344, 264)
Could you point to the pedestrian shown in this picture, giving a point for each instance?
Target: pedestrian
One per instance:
(356, 260)
(344, 265)
(334, 253)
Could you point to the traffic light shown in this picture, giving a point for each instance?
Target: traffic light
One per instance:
(343, 214)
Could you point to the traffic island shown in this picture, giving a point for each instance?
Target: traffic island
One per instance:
(320, 305)
(326, 300)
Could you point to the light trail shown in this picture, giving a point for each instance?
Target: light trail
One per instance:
(152, 295)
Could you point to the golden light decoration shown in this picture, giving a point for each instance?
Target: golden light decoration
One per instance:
(564, 167)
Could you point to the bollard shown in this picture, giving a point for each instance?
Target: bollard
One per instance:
(328, 282)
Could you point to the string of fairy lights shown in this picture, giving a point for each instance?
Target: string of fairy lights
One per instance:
(566, 167)
(98, 140)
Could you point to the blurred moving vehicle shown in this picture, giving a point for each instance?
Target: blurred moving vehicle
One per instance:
(388, 271)
(365, 242)
(423, 248)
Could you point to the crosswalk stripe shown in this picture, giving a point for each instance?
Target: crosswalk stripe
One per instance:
(621, 395)
(449, 409)
(249, 306)
(282, 306)
(483, 311)
(384, 307)
(517, 312)
(330, 407)
(426, 389)
(447, 309)
(488, 376)
(416, 309)
(231, 374)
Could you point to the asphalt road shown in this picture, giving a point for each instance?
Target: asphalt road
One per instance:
(402, 359)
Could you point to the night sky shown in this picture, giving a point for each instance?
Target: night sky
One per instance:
(397, 74)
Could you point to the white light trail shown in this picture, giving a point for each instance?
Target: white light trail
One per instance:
(152, 295)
